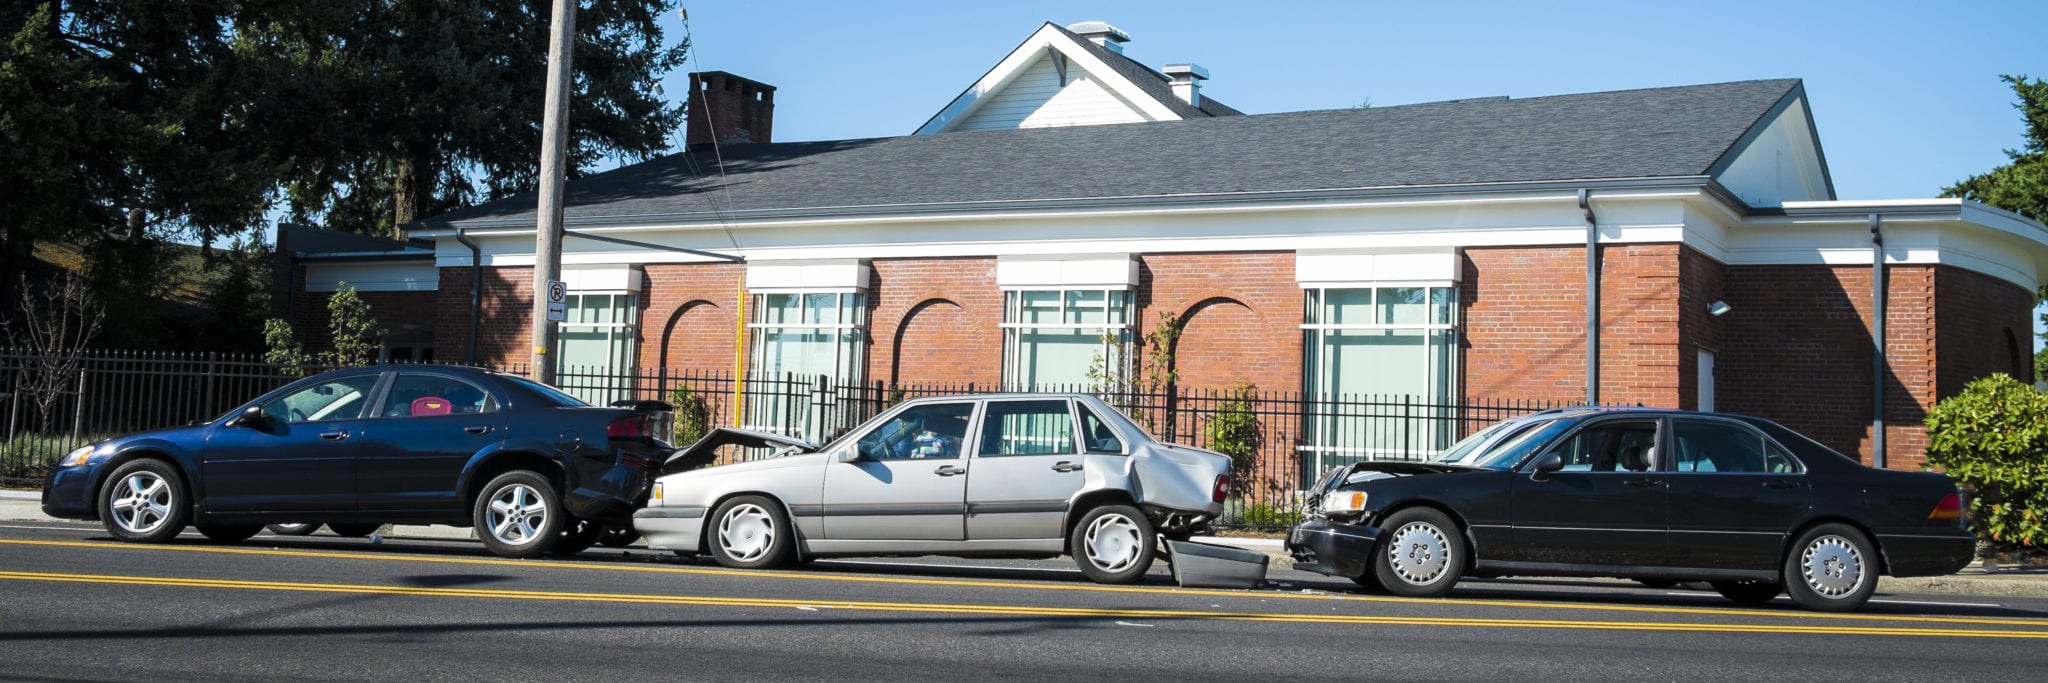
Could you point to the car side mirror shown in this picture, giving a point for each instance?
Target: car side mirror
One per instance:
(251, 416)
(848, 455)
(1549, 462)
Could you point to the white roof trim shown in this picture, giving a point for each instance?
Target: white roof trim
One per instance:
(1048, 37)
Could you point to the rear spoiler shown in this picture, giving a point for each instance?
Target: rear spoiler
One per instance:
(700, 454)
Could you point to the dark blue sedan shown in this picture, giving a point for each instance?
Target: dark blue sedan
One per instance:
(532, 468)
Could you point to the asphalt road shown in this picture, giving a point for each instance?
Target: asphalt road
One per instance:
(77, 606)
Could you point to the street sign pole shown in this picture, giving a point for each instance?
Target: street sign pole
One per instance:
(554, 144)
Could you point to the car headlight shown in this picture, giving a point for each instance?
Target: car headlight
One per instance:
(76, 457)
(1343, 501)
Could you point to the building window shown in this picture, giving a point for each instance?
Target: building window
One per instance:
(1374, 359)
(594, 352)
(810, 334)
(1057, 338)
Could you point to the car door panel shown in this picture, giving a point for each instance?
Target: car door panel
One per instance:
(1612, 512)
(908, 481)
(1735, 496)
(414, 448)
(302, 457)
(1027, 466)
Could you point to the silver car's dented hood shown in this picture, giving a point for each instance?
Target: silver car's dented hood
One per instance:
(699, 454)
(1177, 477)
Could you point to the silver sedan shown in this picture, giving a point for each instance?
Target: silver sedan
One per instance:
(1013, 475)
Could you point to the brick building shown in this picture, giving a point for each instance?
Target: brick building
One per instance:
(1053, 212)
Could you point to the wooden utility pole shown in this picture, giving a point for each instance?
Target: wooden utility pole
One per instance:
(554, 151)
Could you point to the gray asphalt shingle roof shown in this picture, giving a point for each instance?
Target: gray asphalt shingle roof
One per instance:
(1661, 132)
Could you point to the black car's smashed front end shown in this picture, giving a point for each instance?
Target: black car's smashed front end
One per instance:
(1332, 548)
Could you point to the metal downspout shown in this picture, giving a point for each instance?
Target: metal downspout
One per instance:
(476, 290)
(1877, 367)
(1592, 299)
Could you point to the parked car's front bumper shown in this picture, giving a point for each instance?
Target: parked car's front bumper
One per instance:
(680, 529)
(1326, 547)
(68, 491)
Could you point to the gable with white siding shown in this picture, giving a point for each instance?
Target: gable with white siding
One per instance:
(1057, 77)
(1038, 98)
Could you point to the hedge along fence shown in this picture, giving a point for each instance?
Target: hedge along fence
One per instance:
(1993, 438)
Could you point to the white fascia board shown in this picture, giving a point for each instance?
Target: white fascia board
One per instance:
(1007, 70)
(834, 275)
(373, 277)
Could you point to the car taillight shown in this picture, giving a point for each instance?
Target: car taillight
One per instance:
(631, 426)
(1948, 510)
(1222, 488)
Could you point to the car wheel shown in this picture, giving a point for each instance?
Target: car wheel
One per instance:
(1421, 554)
(1369, 582)
(144, 502)
(749, 532)
(618, 537)
(577, 538)
(518, 515)
(354, 529)
(229, 533)
(1831, 569)
(294, 528)
(1658, 583)
(1113, 544)
(1747, 592)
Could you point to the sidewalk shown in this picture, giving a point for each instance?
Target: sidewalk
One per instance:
(2010, 581)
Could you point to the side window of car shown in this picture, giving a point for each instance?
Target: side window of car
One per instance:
(1714, 446)
(337, 399)
(1611, 446)
(417, 395)
(930, 432)
(1027, 428)
(1097, 435)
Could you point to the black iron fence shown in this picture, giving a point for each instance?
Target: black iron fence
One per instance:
(1281, 441)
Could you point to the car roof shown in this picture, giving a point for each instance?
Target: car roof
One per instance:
(1574, 412)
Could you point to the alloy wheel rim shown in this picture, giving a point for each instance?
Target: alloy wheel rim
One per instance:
(141, 503)
(1419, 553)
(746, 532)
(1832, 566)
(1112, 542)
(516, 515)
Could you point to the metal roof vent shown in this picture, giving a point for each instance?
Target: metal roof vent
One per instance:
(1101, 33)
(1187, 81)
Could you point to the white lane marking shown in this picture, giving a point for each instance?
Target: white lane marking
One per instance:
(1938, 604)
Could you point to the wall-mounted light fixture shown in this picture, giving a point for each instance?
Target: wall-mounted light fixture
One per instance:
(1719, 307)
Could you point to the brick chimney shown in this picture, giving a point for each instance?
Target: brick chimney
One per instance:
(728, 109)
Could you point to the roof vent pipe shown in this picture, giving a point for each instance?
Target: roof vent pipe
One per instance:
(1101, 33)
(1187, 81)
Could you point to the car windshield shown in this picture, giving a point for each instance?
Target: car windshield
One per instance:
(1517, 440)
(550, 393)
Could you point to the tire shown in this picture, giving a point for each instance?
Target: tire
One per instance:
(1832, 568)
(294, 528)
(144, 501)
(1421, 554)
(354, 529)
(1747, 592)
(1658, 583)
(618, 537)
(229, 533)
(750, 532)
(518, 515)
(1369, 582)
(578, 538)
(1113, 544)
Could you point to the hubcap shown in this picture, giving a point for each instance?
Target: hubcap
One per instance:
(516, 515)
(1113, 543)
(746, 532)
(141, 502)
(1832, 566)
(1419, 553)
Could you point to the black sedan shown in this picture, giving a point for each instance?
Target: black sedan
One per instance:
(1653, 495)
(532, 468)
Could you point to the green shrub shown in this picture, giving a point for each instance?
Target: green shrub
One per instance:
(31, 455)
(1993, 438)
(1235, 431)
(1266, 514)
(693, 416)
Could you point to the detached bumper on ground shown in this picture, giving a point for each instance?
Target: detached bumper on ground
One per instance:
(1333, 549)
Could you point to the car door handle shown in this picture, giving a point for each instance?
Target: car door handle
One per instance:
(949, 470)
(1781, 484)
(477, 429)
(335, 435)
(1645, 483)
(1064, 466)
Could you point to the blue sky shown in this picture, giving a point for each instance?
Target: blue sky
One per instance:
(1906, 95)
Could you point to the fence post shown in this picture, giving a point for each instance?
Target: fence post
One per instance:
(1407, 427)
(212, 370)
(1172, 412)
